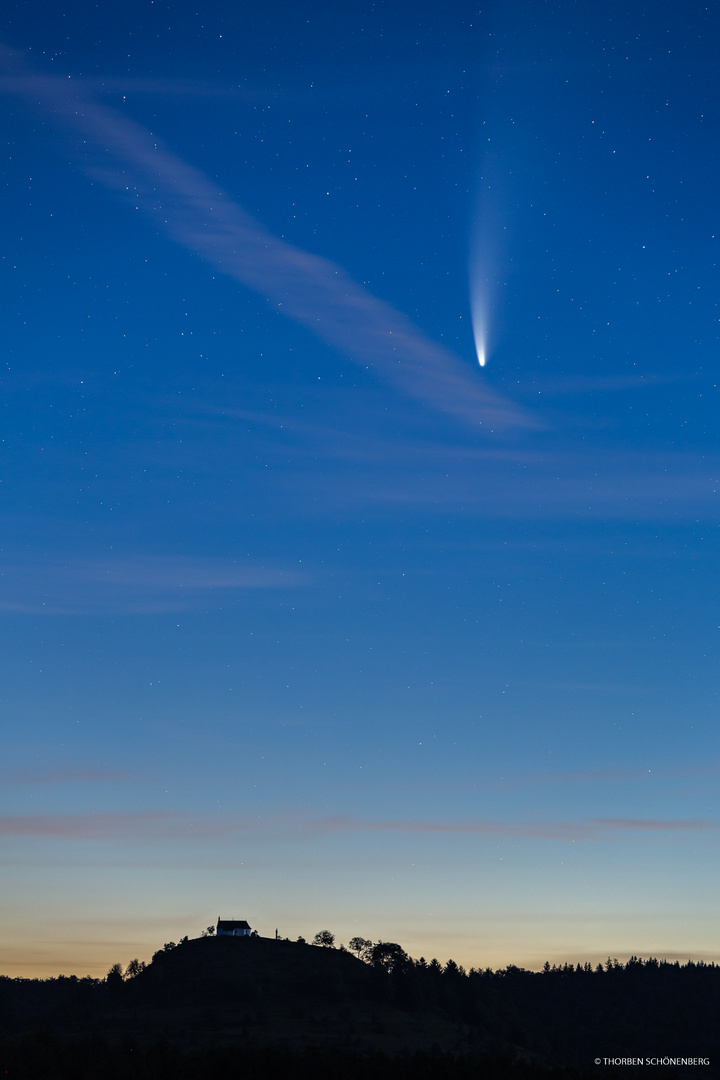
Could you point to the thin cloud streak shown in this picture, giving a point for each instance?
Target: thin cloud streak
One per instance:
(556, 479)
(660, 773)
(172, 572)
(518, 486)
(589, 829)
(149, 584)
(314, 291)
(43, 777)
(502, 481)
(154, 826)
(651, 825)
(135, 826)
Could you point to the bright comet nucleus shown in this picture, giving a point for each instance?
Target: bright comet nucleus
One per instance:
(477, 307)
(480, 350)
(479, 289)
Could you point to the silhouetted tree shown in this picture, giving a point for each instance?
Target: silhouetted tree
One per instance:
(361, 946)
(389, 956)
(324, 938)
(134, 968)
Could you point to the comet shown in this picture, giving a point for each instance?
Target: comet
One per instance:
(478, 311)
(480, 346)
(487, 233)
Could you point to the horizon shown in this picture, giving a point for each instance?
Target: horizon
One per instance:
(340, 945)
(533, 964)
(304, 609)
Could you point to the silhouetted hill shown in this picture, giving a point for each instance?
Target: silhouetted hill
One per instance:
(253, 971)
(211, 1005)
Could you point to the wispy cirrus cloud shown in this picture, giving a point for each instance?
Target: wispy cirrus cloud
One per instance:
(44, 777)
(314, 291)
(613, 775)
(102, 826)
(135, 584)
(514, 484)
(587, 829)
(657, 825)
(555, 480)
(154, 826)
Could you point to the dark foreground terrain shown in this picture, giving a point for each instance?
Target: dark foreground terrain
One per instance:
(252, 1008)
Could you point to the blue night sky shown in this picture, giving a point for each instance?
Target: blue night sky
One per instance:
(307, 618)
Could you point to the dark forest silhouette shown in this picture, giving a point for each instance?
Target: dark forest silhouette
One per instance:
(247, 1007)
